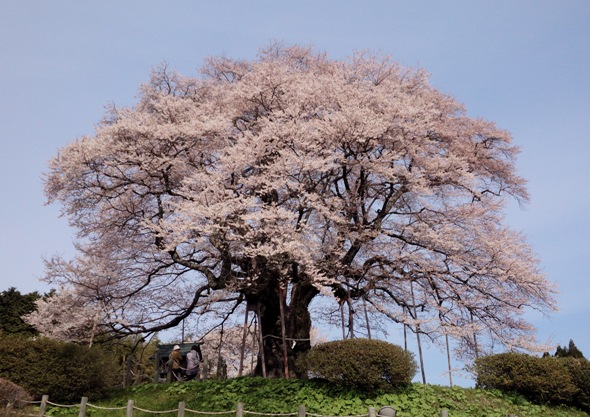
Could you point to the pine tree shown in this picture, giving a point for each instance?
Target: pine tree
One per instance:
(13, 306)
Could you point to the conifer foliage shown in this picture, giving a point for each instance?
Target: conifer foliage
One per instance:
(569, 351)
(272, 182)
(13, 306)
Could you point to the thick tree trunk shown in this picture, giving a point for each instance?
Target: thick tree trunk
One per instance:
(297, 327)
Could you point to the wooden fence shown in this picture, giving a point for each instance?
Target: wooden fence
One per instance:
(182, 411)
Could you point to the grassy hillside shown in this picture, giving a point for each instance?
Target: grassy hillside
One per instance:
(279, 396)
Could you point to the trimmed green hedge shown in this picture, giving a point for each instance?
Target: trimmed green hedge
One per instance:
(579, 370)
(361, 363)
(64, 371)
(542, 380)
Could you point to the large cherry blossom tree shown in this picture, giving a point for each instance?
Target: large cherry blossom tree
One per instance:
(272, 182)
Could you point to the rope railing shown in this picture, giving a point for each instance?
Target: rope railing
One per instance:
(28, 402)
(98, 407)
(156, 412)
(211, 413)
(181, 411)
(321, 415)
(63, 405)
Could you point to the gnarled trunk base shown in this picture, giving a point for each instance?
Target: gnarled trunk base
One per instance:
(297, 328)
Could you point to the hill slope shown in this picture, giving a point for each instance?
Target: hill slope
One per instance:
(280, 396)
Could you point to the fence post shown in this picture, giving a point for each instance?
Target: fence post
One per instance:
(372, 412)
(9, 408)
(240, 410)
(43, 405)
(83, 403)
(181, 409)
(444, 413)
(301, 410)
(129, 412)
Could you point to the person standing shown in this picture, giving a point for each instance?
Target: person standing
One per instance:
(193, 362)
(175, 359)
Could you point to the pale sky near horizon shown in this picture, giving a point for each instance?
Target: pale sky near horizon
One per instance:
(524, 65)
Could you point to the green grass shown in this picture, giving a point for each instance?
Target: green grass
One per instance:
(278, 396)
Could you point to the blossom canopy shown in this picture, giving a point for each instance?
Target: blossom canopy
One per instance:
(294, 176)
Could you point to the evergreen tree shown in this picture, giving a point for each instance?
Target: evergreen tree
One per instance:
(571, 351)
(13, 306)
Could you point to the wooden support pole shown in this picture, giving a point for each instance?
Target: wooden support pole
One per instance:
(342, 320)
(444, 413)
(366, 316)
(240, 410)
(372, 412)
(206, 367)
(157, 367)
(261, 339)
(254, 341)
(449, 360)
(181, 407)
(406, 311)
(418, 335)
(242, 350)
(128, 374)
(283, 332)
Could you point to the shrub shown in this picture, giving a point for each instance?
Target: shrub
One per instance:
(541, 380)
(579, 369)
(64, 371)
(10, 393)
(361, 363)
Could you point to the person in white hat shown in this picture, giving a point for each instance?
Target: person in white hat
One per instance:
(174, 359)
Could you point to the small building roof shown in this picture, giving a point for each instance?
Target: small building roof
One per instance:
(165, 350)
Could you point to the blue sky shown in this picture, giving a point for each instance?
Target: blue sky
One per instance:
(523, 64)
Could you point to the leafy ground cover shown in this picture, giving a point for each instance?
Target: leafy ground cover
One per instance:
(279, 396)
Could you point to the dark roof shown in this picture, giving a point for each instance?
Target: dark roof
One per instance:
(165, 350)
